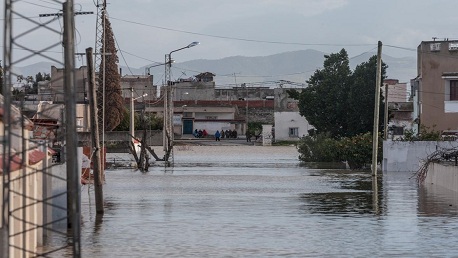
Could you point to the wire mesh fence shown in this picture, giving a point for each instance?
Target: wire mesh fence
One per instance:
(40, 173)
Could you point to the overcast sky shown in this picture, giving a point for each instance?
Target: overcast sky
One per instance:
(148, 29)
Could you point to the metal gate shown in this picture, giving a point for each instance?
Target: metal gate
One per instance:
(187, 126)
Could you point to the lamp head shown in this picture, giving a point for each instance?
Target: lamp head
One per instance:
(193, 44)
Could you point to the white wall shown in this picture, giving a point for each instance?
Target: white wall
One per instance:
(212, 127)
(444, 176)
(218, 115)
(286, 120)
(406, 156)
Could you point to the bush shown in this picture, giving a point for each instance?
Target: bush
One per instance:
(356, 150)
(318, 148)
(426, 134)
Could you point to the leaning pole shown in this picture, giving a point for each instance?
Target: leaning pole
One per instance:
(378, 82)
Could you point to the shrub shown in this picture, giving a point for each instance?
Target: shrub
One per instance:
(356, 150)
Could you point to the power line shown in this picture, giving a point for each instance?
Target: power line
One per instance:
(242, 39)
(44, 6)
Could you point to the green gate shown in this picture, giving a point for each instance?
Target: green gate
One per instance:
(187, 126)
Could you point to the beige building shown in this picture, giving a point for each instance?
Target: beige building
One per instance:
(200, 87)
(142, 86)
(436, 86)
(25, 202)
(397, 91)
(209, 115)
(55, 112)
(56, 86)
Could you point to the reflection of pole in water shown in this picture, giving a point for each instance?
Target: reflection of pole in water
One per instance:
(375, 195)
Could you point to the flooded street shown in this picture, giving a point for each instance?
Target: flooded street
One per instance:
(254, 201)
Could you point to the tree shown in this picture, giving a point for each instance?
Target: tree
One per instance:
(360, 102)
(142, 121)
(38, 78)
(323, 102)
(114, 104)
(338, 101)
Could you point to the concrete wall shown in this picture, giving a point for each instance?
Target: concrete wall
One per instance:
(406, 156)
(442, 175)
(154, 137)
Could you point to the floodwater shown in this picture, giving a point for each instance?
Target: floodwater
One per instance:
(254, 201)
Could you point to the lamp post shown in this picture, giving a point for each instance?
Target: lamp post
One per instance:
(168, 100)
(132, 113)
(148, 71)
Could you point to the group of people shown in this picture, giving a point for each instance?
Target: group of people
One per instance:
(218, 135)
(200, 133)
(225, 134)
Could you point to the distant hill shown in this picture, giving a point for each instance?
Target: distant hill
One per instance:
(296, 66)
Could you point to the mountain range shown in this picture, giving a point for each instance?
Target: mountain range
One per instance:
(294, 66)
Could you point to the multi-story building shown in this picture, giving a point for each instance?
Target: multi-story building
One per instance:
(142, 86)
(435, 89)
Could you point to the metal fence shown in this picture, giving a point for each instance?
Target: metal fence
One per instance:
(40, 185)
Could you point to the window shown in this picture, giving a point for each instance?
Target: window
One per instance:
(397, 130)
(293, 132)
(79, 124)
(454, 90)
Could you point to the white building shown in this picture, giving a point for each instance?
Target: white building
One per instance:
(289, 124)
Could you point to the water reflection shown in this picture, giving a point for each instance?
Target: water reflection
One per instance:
(437, 201)
(357, 193)
(222, 202)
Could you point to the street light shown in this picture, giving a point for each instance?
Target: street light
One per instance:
(168, 100)
(183, 93)
(148, 71)
(132, 117)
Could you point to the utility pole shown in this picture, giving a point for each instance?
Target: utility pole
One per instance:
(99, 60)
(98, 185)
(378, 82)
(73, 181)
(385, 127)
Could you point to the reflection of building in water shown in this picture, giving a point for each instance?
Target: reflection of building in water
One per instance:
(435, 200)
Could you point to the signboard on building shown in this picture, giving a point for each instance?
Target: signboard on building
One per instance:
(177, 120)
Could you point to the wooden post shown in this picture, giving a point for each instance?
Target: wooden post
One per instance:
(385, 127)
(95, 134)
(378, 82)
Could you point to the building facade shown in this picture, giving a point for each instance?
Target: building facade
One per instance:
(141, 85)
(289, 124)
(436, 85)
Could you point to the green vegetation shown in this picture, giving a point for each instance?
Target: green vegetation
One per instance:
(339, 103)
(356, 150)
(151, 122)
(255, 128)
(425, 134)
